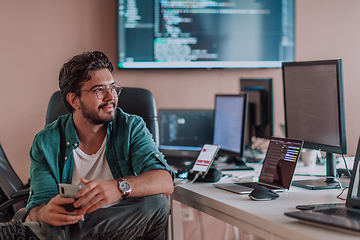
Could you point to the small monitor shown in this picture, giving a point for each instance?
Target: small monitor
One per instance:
(259, 121)
(183, 132)
(315, 112)
(229, 127)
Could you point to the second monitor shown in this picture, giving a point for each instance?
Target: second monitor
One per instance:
(229, 127)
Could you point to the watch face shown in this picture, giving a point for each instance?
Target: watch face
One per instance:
(125, 186)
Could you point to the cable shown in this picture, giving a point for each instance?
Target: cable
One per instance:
(339, 184)
(347, 169)
(342, 191)
(197, 175)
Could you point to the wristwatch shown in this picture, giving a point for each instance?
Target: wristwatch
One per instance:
(125, 188)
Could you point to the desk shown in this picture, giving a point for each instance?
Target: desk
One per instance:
(265, 219)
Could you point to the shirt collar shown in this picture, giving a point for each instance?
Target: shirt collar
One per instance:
(70, 133)
(71, 136)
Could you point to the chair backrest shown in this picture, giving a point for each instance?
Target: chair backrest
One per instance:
(9, 184)
(138, 101)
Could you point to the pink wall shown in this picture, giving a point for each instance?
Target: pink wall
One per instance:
(37, 36)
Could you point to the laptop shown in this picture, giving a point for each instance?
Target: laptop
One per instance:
(277, 170)
(343, 218)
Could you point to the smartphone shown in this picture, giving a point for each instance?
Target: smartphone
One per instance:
(205, 158)
(69, 191)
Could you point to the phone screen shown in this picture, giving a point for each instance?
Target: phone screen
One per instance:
(205, 158)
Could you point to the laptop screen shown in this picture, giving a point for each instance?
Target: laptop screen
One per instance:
(353, 197)
(280, 161)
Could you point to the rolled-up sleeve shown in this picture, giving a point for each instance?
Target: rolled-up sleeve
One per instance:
(144, 154)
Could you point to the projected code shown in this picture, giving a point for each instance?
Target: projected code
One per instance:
(204, 31)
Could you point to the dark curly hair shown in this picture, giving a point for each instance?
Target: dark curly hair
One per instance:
(78, 70)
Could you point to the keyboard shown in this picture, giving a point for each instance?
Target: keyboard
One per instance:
(341, 212)
(319, 206)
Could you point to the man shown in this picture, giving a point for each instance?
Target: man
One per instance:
(111, 154)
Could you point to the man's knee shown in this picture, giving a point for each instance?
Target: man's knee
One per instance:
(156, 204)
(131, 218)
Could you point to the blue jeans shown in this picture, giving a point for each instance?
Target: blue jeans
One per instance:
(130, 219)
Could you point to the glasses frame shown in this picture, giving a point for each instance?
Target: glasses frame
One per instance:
(107, 88)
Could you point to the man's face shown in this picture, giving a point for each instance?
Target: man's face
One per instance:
(94, 109)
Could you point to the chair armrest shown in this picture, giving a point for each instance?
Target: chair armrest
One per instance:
(21, 194)
(15, 197)
(20, 215)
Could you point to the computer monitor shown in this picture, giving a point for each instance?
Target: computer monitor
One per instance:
(182, 134)
(315, 113)
(259, 120)
(229, 127)
(205, 34)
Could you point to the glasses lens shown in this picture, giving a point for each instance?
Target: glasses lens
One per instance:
(118, 90)
(102, 91)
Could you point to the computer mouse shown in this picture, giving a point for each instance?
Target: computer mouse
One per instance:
(261, 193)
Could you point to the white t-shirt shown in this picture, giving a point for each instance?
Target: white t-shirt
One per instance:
(90, 167)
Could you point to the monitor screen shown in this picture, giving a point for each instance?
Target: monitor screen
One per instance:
(259, 119)
(229, 124)
(205, 34)
(183, 132)
(314, 107)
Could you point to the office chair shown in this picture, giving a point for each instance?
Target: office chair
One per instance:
(138, 101)
(13, 193)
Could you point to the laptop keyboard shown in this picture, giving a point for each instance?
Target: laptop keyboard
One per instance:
(342, 212)
(319, 206)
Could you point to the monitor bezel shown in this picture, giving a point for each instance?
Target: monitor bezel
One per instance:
(341, 149)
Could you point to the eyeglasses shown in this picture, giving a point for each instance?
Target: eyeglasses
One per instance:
(101, 91)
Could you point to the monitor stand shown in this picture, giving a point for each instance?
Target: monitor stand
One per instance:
(330, 182)
(234, 163)
(318, 184)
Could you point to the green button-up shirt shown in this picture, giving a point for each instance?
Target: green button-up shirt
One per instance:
(130, 150)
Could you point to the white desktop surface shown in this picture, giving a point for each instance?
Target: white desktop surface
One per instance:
(265, 219)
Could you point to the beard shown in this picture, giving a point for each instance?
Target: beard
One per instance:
(94, 117)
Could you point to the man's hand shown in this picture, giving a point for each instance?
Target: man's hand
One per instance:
(55, 214)
(96, 194)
